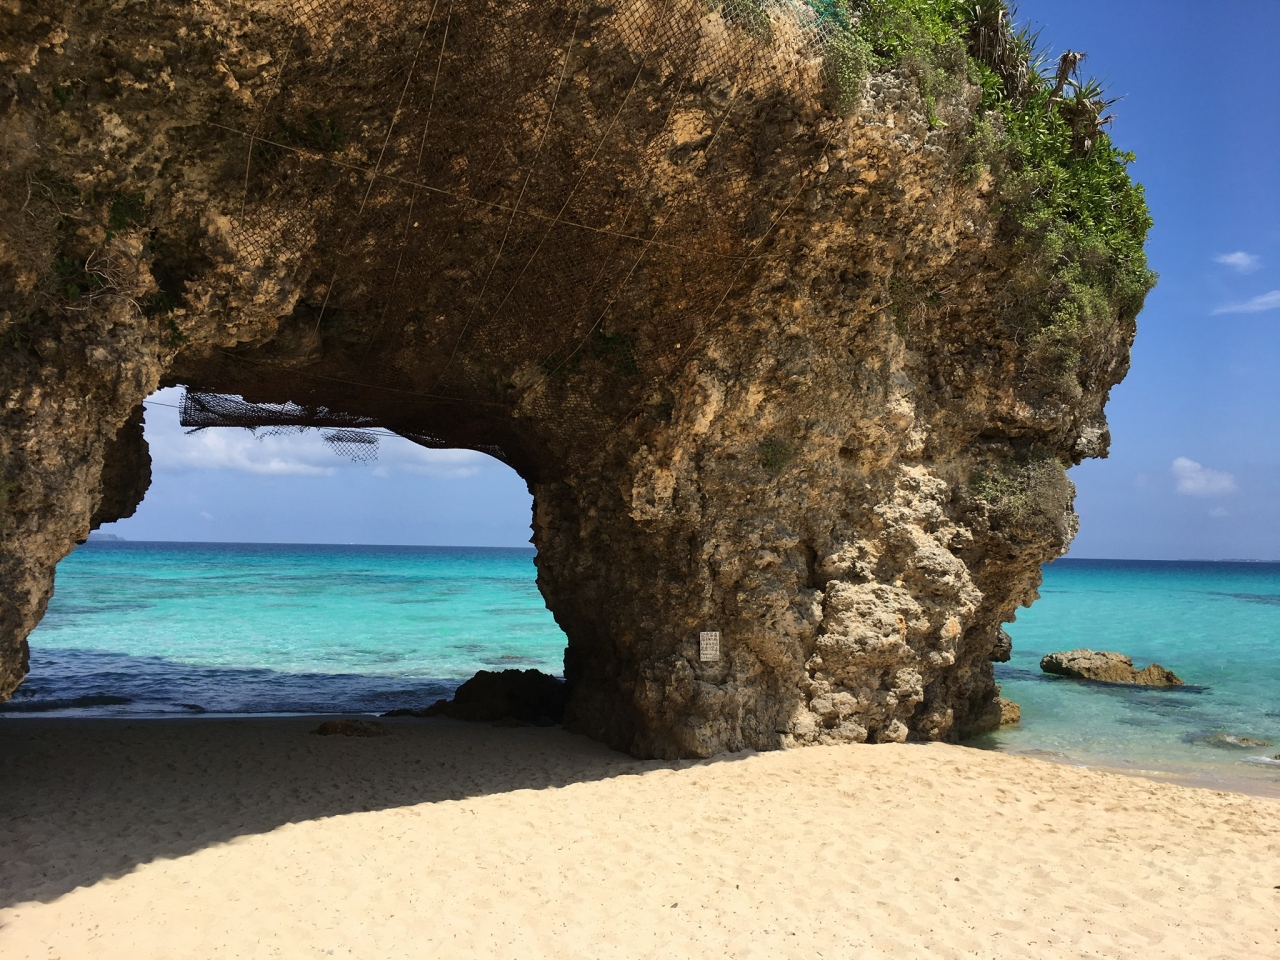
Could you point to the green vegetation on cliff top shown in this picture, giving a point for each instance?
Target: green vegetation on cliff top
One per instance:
(1063, 189)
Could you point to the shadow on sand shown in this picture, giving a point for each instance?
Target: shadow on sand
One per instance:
(85, 800)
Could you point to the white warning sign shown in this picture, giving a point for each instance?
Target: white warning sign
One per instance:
(709, 645)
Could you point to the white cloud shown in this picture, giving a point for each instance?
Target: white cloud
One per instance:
(1265, 301)
(1241, 261)
(1200, 481)
(220, 448)
(304, 453)
(408, 457)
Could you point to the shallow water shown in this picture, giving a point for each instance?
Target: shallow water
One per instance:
(1216, 625)
(177, 628)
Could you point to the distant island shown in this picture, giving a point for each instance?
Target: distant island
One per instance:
(97, 536)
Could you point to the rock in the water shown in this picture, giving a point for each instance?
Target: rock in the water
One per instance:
(1106, 666)
(1155, 675)
(349, 727)
(1010, 713)
(1002, 649)
(525, 695)
(1230, 740)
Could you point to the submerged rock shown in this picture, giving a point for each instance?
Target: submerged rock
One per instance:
(1106, 666)
(1232, 740)
(1010, 713)
(349, 727)
(529, 696)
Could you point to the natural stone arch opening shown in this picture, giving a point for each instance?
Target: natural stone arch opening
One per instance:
(260, 619)
(756, 356)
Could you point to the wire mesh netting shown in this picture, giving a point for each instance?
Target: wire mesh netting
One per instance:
(347, 435)
(528, 212)
(359, 446)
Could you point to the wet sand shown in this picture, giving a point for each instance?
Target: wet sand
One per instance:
(253, 838)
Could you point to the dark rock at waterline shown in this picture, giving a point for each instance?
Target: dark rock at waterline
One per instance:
(1231, 740)
(528, 696)
(76, 703)
(349, 727)
(1106, 666)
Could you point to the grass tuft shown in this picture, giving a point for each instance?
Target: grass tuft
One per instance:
(775, 454)
(748, 15)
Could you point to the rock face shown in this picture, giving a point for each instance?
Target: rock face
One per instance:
(1002, 649)
(764, 363)
(1107, 667)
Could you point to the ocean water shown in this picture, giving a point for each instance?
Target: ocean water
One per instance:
(182, 628)
(1216, 625)
(140, 629)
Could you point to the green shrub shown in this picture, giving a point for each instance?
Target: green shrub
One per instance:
(126, 211)
(749, 15)
(847, 59)
(1028, 488)
(76, 279)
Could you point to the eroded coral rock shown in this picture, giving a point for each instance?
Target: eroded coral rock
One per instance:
(1105, 666)
(1010, 713)
(1002, 649)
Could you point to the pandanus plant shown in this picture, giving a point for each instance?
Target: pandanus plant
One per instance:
(1011, 54)
(1008, 52)
(1084, 108)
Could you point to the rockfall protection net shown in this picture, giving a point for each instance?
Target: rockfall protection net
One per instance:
(572, 185)
(347, 435)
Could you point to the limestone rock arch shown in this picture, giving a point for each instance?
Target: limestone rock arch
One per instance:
(746, 348)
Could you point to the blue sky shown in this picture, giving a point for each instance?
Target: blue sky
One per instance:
(1198, 81)
(1194, 470)
(232, 485)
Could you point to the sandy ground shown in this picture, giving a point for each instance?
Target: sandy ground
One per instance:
(253, 838)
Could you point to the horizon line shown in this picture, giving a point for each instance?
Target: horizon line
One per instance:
(116, 538)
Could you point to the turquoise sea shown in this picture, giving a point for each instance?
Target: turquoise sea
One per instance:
(1216, 625)
(140, 629)
(182, 628)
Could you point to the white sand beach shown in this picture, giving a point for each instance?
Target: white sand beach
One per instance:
(254, 838)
